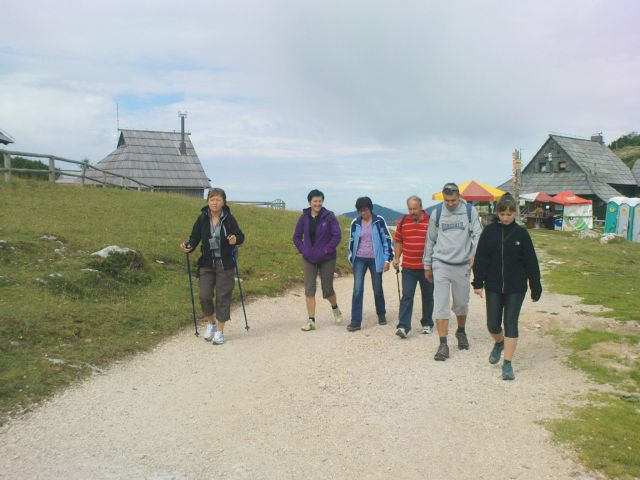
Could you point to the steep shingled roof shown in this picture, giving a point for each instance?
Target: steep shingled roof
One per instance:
(596, 159)
(154, 158)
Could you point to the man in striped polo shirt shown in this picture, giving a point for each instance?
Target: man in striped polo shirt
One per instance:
(410, 236)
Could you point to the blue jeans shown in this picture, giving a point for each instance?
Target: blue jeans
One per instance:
(410, 278)
(360, 266)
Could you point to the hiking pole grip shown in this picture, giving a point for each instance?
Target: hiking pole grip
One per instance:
(193, 303)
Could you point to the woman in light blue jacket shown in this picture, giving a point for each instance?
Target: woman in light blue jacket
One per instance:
(369, 248)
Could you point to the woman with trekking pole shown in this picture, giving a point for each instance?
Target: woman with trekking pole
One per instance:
(370, 248)
(505, 260)
(218, 233)
(317, 235)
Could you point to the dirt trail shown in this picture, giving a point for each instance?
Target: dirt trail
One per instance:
(278, 403)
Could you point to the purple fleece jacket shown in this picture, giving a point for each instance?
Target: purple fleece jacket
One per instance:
(328, 236)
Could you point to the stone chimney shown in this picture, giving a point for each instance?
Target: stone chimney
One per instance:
(598, 138)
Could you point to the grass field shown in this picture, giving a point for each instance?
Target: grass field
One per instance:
(604, 432)
(63, 313)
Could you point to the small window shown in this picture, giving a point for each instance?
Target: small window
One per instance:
(562, 166)
(543, 166)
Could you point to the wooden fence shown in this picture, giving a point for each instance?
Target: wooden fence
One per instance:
(87, 173)
(277, 204)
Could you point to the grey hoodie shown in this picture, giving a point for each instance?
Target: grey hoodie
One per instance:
(452, 242)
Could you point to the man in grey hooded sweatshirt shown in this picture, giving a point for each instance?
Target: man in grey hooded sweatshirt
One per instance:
(450, 247)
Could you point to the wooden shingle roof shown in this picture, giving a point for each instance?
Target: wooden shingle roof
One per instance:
(636, 171)
(154, 158)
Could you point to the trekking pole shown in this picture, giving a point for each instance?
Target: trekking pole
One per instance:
(398, 283)
(193, 303)
(235, 260)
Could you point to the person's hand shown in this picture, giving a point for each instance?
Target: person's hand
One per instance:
(478, 291)
(396, 264)
(473, 259)
(232, 239)
(386, 267)
(428, 274)
(185, 247)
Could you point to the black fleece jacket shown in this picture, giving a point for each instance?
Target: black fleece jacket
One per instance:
(505, 259)
(201, 232)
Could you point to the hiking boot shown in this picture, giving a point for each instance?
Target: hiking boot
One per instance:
(310, 325)
(442, 354)
(401, 332)
(208, 333)
(353, 328)
(463, 343)
(382, 319)
(218, 337)
(507, 371)
(427, 330)
(496, 352)
(337, 315)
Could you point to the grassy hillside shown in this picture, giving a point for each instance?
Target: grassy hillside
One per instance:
(63, 313)
(628, 155)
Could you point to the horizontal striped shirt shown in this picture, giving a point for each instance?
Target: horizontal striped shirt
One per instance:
(412, 235)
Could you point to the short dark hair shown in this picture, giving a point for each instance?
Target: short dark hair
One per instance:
(450, 188)
(364, 202)
(315, 193)
(506, 202)
(219, 192)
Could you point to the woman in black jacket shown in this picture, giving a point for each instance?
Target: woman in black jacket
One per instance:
(219, 234)
(505, 259)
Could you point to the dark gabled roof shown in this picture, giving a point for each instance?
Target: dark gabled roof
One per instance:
(554, 183)
(596, 160)
(154, 158)
(5, 138)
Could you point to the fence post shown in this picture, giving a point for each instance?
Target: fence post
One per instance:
(7, 165)
(52, 169)
(84, 171)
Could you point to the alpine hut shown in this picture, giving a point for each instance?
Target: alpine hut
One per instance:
(165, 160)
(586, 167)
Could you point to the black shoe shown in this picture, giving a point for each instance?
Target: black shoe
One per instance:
(353, 328)
(463, 343)
(442, 354)
(382, 319)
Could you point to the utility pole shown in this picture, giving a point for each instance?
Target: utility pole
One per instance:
(516, 179)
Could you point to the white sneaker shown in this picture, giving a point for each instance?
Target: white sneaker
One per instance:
(218, 337)
(337, 315)
(427, 330)
(401, 332)
(208, 333)
(310, 325)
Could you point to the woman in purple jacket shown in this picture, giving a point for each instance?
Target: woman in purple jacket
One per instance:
(316, 237)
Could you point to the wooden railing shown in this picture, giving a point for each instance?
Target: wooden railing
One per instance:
(86, 173)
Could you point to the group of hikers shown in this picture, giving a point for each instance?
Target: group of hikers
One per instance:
(437, 249)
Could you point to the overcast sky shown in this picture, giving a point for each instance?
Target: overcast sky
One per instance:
(355, 97)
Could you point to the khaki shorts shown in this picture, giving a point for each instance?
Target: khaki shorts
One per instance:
(326, 268)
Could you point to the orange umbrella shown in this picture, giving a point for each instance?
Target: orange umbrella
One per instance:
(475, 192)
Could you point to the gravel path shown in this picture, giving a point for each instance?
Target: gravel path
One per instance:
(278, 403)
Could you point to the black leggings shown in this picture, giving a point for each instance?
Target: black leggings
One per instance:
(510, 304)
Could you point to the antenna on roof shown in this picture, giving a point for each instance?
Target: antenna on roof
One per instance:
(117, 118)
(183, 145)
